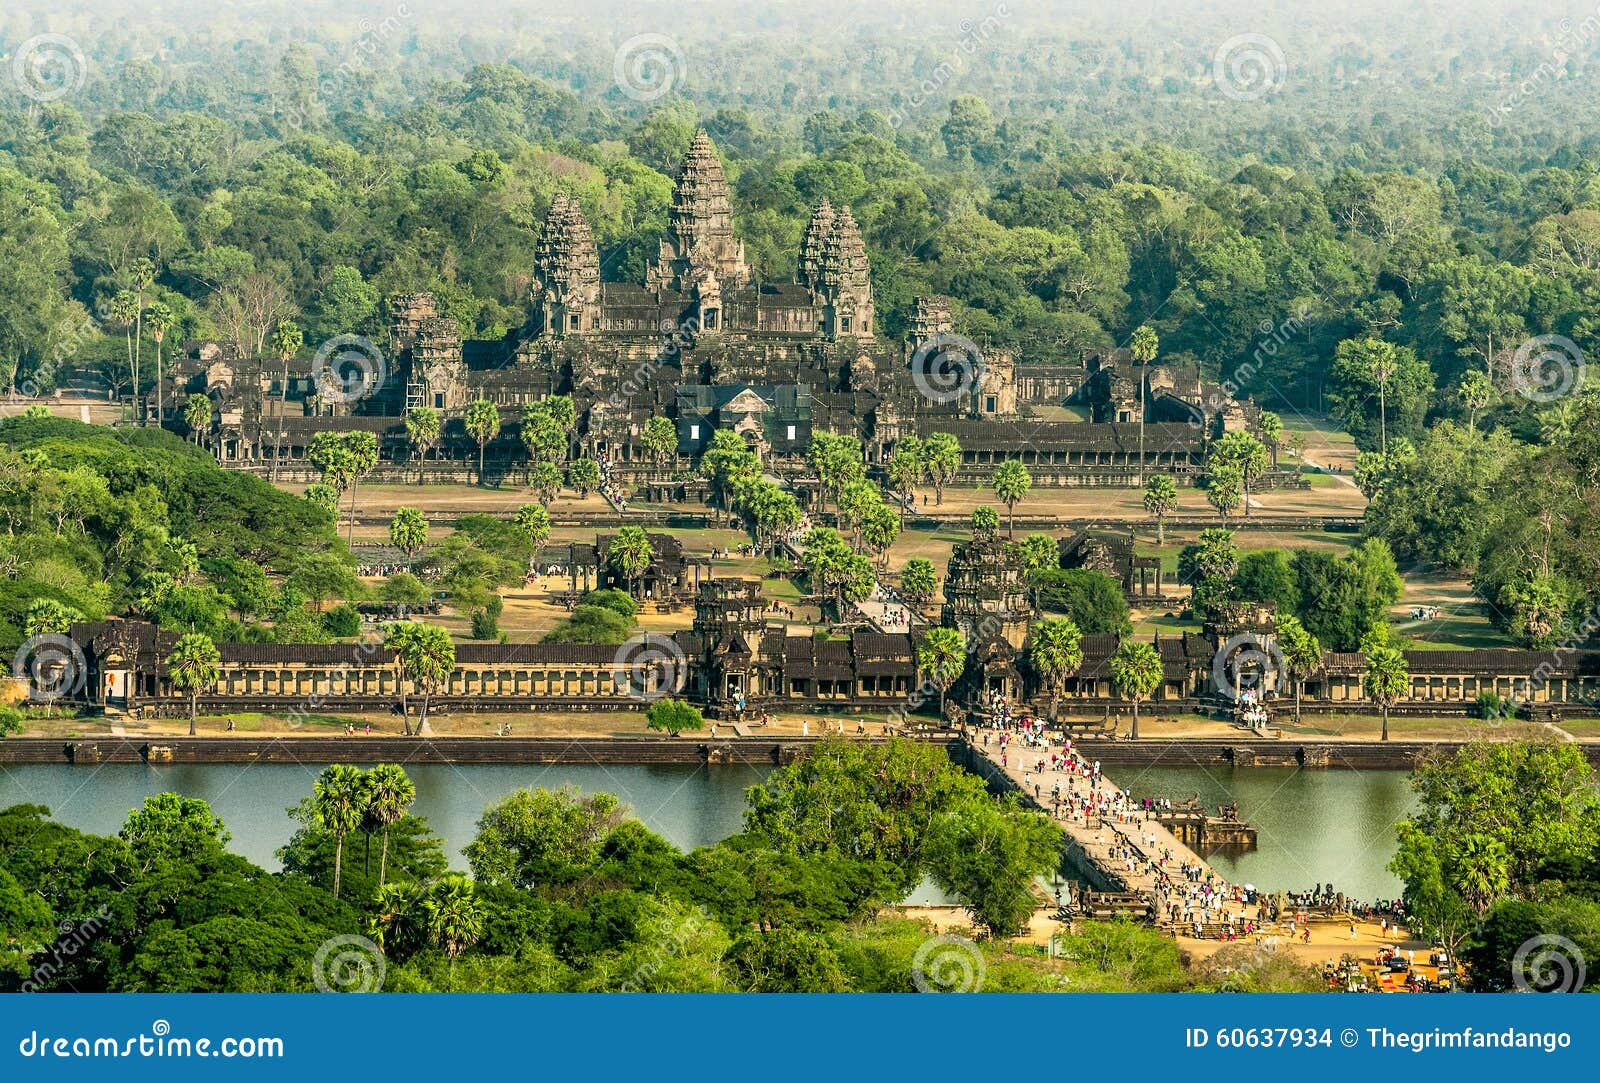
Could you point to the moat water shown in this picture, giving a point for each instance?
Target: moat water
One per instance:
(1314, 826)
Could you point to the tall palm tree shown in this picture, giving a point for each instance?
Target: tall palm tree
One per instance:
(161, 318)
(1302, 654)
(426, 657)
(1135, 674)
(942, 658)
(1144, 345)
(336, 802)
(191, 666)
(1055, 650)
(144, 276)
(124, 306)
(1011, 484)
(287, 338)
(390, 792)
(1387, 680)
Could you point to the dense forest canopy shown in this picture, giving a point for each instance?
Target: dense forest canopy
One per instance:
(1297, 199)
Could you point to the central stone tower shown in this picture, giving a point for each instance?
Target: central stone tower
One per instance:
(700, 253)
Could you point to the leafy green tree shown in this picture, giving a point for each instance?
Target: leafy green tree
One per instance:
(1265, 575)
(533, 523)
(1246, 455)
(660, 439)
(583, 475)
(1475, 392)
(985, 522)
(535, 839)
(408, 531)
(1135, 674)
(674, 716)
(1090, 599)
(325, 497)
(787, 960)
(988, 853)
(192, 666)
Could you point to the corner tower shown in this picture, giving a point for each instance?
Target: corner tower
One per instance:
(566, 273)
(844, 283)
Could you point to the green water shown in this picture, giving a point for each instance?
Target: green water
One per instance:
(1313, 826)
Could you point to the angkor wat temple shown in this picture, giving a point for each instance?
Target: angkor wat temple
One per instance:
(703, 341)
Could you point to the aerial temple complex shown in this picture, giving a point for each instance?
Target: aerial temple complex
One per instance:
(704, 341)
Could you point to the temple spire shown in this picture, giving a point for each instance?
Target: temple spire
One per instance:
(813, 245)
(700, 240)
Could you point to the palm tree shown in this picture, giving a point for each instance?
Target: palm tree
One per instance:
(1387, 680)
(191, 666)
(422, 429)
(1135, 674)
(455, 920)
(336, 803)
(408, 531)
(390, 792)
(1055, 650)
(533, 520)
(1160, 498)
(1011, 484)
(1143, 346)
(1302, 653)
(363, 458)
(426, 656)
(144, 276)
(197, 415)
(287, 339)
(942, 657)
(630, 553)
(161, 319)
(941, 458)
(660, 438)
(483, 425)
(124, 307)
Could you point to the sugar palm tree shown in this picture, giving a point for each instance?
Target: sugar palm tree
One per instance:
(1055, 649)
(197, 415)
(533, 521)
(144, 276)
(422, 429)
(455, 919)
(1387, 680)
(941, 459)
(1135, 675)
(408, 531)
(363, 448)
(287, 338)
(161, 318)
(1160, 498)
(192, 666)
(337, 800)
(1302, 654)
(1143, 346)
(390, 792)
(942, 658)
(425, 656)
(1011, 484)
(483, 425)
(630, 553)
(124, 307)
